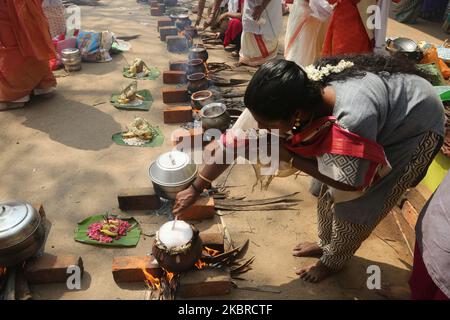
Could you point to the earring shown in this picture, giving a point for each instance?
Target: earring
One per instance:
(297, 122)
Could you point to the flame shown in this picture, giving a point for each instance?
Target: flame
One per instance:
(2, 271)
(210, 252)
(169, 276)
(200, 264)
(151, 281)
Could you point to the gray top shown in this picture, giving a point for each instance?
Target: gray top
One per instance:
(433, 236)
(396, 112)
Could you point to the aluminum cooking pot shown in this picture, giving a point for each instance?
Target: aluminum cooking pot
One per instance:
(405, 47)
(171, 173)
(215, 116)
(21, 232)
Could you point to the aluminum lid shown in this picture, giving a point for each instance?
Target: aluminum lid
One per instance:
(18, 220)
(172, 169)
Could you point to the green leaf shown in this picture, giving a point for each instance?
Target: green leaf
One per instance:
(144, 106)
(130, 240)
(156, 142)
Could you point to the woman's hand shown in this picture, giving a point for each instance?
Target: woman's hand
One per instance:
(222, 17)
(184, 199)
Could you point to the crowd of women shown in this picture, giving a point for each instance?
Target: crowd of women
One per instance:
(315, 28)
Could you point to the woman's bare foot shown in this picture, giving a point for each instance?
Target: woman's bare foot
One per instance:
(314, 273)
(235, 54)
(307, 249)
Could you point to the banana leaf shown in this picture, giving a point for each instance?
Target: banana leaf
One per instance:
(443, 92)
(154, 73)
(144, 105)
(155, 142)
(130, 240)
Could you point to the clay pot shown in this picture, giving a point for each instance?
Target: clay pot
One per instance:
(198, 52)
(182, 261)
(190, 32)
(200, 99)
(196, 66)
(197, 82)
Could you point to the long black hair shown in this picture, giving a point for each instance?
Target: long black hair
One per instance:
(280, 88)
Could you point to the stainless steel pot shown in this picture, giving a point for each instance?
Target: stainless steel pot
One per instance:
(405, 47)
(171, 173)
(215, 116)
(71, 59)
(21, 232)
(198, 52)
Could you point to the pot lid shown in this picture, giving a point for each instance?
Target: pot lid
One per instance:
(174, 234)
(172, 169)
(404, 45)
(18, 220)
(213, 110)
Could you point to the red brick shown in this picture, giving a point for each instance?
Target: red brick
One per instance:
(204, 283)
(167, 31)
(418, 197)
(203, 208)
(408, 233)
(410, 214)
(180, 65)
(175, 95)
(174, 77)
(178, 114)
(129, 268)
(138, 199)
(213, 237)
(165, 22)
(162, 7)
(176, 43)
(51, 269)
(153, 3)
(156, 12)
(187, 137)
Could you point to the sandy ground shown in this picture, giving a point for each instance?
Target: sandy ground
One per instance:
(59, 152)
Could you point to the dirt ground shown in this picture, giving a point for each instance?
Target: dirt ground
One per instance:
(59, 152)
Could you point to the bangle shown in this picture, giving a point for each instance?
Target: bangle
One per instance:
(204, 178)
(196, 189)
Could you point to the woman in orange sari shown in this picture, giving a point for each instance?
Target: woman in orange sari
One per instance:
(25, 51)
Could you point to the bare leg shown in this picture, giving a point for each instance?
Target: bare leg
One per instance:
(307, 249)
(314, 273)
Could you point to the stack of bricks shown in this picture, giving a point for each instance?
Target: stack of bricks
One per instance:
(407, 213)
(176, 75)
(157, 9)
(165, 22)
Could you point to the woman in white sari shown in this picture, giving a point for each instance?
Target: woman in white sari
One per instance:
(262, 23)
(306, 29)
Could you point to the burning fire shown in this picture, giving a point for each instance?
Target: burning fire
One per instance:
(210, 252)
(200, 264)
(206, 252)
(2, 271)
(152, 282)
